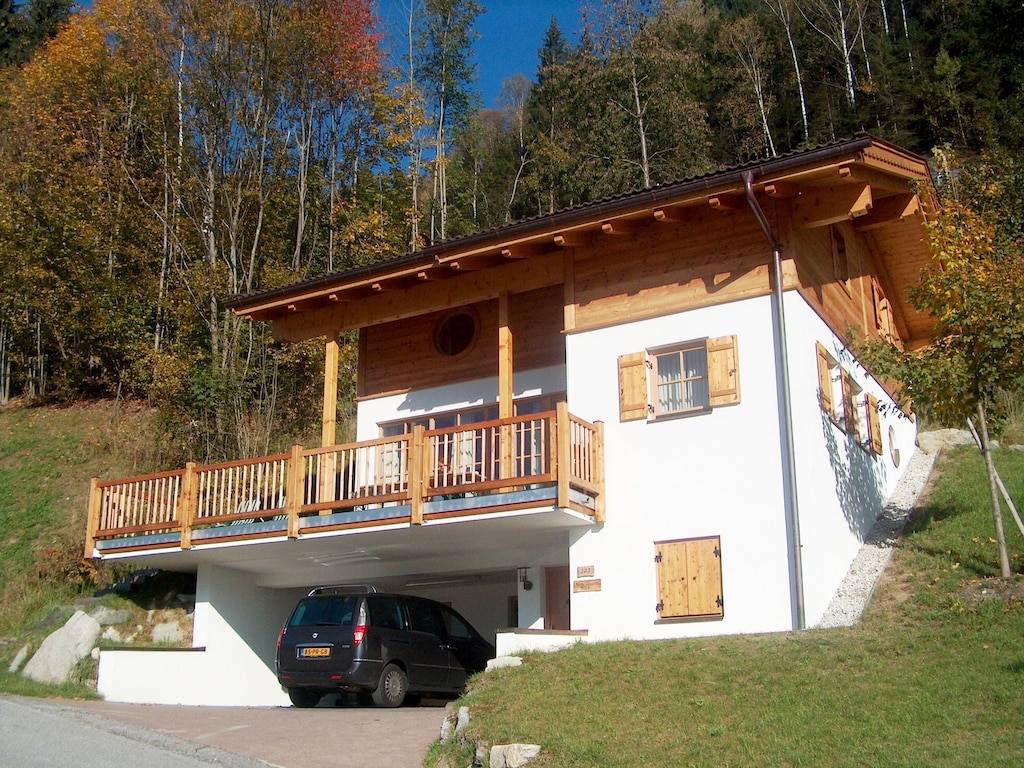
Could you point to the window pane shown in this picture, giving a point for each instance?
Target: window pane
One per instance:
(695, 362)
(670, 391)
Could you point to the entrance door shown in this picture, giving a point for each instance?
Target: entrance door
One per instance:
(556, 597)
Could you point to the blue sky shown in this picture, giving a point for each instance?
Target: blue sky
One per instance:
(510, 32)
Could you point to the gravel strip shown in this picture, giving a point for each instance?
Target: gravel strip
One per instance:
(868, 566)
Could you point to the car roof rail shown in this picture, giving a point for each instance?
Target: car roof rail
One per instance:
(342, 588)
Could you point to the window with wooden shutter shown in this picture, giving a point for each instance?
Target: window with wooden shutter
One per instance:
(851, 413)
(689, 578)
(874, 424)
(825, 365)
(633, 386)
(723, 371)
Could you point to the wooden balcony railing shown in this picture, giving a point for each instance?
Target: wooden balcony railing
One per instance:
(547, 458)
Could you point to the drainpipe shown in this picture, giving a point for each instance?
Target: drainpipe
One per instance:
(796, 569)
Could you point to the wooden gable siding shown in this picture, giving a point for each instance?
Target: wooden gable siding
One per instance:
(844, 308)
(400, 356)
(709, 257)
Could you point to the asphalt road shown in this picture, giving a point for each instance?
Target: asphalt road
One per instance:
(38, 733)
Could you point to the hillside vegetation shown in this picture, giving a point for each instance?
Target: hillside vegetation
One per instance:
(932, 676)
(47, 456)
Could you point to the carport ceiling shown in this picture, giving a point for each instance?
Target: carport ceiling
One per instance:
(479, 546)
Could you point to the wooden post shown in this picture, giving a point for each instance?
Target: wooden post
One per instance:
(562, 467)
(505, 388)
(418, 470)
(329, 431)
(598, 479)
(188, 503)
(92, 522)
(295, 492)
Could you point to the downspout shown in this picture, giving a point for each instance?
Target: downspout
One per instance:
(796, 568)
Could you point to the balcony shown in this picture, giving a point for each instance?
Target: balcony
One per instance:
(547, 460)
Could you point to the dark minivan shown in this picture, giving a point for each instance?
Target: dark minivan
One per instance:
(390, 647)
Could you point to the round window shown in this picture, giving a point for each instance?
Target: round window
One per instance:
(894, 451)
(455, 334)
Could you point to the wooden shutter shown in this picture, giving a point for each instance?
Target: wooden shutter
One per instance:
(689, 578)
(850, 417)
(824, 381)
(723, 371)
(874, 425)
(633, 386)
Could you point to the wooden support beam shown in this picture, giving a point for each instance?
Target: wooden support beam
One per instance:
(889, 210)
(524, 251)
(505, 359)
(671, 215)
(830, 205)
(569, 239)
(619, 227)
(873, 176)
(561, 465)
(295, 483)
(418, 473)
(428, 296)
(781, 189)
(188, 504)
(505, 384)
(329, 421)
(93, 517)
(726, 202)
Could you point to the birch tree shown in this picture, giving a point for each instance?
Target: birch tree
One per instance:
(447, 72)
(745, 39)
(783, 11)
(839, 22)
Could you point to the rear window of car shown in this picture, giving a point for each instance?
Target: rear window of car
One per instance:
(335, 610)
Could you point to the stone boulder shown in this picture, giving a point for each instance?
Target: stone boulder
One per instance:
(168, 633)
(108, 617)
(59, 653)
(513, 755)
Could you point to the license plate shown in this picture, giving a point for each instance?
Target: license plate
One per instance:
(316, 652)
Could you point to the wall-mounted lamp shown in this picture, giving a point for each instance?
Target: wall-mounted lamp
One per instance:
(523, 573)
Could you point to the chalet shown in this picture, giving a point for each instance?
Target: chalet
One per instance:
(638, 418)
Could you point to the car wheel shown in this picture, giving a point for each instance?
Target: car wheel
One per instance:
(303, 697)
(392, 687)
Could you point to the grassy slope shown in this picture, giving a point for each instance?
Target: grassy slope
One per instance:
(47, 456)
(931, 676)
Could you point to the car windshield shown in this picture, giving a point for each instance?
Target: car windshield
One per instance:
(320, 611)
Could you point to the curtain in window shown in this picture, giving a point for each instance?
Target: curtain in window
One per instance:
(670, 385)
(695, 362)
(683, 380)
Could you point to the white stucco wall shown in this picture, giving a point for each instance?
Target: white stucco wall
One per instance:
(451, 398)
(714, 474)
(720, 474)
(237, 624)
(841, 486)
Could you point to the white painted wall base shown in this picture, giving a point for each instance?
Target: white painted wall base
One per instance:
(192, 677)
(524, 641)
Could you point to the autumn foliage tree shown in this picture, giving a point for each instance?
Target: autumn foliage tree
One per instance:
(974, 290)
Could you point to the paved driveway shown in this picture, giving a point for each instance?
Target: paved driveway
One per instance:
(324, 737)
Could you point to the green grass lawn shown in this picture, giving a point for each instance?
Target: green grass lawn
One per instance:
(932, 676)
